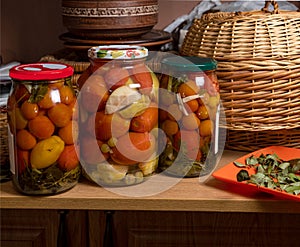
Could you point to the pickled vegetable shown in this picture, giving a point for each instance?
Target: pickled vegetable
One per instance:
(46, 152)
(43, 130)
(123, 151)
(121, 98)
(188, 106)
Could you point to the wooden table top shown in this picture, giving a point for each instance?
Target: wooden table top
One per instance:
(187, 195)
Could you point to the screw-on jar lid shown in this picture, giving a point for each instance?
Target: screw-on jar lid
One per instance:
(181, 63)
(41, 71)
(118, 52)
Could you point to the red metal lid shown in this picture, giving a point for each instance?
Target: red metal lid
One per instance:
(41, 71)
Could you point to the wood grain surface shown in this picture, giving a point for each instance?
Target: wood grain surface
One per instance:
(187, 195)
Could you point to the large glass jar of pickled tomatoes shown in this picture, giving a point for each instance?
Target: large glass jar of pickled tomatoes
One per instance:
(189, 115)
(118, 108)
(43, 128)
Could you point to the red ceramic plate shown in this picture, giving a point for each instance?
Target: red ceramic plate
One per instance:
(228, 172)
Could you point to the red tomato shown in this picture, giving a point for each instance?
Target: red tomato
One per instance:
(146, 121)
(116, 77)
(94, 94)
(142, 75)
(90, 150)
(68, 159)
(133, 148)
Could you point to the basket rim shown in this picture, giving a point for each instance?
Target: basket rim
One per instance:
(222, 16)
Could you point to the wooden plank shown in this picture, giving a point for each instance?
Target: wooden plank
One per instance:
(187, 195)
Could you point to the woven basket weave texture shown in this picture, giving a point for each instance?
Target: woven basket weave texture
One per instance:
(258, 65)
(258, 71)
(4, 153)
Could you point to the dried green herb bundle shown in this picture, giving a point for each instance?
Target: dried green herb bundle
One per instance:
(50, 179)
(272, 172)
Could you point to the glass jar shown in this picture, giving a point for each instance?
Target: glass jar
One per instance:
(43, 128)
(189, 115)
(118, 116)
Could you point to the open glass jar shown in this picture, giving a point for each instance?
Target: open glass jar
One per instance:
(43, 128)
(118, 108)
(189, 115)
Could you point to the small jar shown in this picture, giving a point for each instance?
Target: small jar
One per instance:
(43, 128)
(189, 115)
(118, 116)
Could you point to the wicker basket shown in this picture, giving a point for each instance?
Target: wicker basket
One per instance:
(4, 154)
(258, 70)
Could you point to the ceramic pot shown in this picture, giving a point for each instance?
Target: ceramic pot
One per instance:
(109, 19)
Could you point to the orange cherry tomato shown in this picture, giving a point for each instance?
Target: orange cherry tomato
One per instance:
(133, 148)
(192, 105)
(66, 94)
(25, 140)
(49, 99)
(202, 112)
(41, 127)
(94, 94)
(69, 133)
(206, 128)
(170, 127)
(29, 110)
(188, 88)
(68, 159)
(60, 114)
(146, 121)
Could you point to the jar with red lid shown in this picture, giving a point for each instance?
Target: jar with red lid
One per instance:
(118, 108)
(189, 115)
(43, 128)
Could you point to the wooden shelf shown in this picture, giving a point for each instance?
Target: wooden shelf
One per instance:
(187, 195)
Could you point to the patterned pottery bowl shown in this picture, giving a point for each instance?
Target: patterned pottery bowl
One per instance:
(109, 19)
